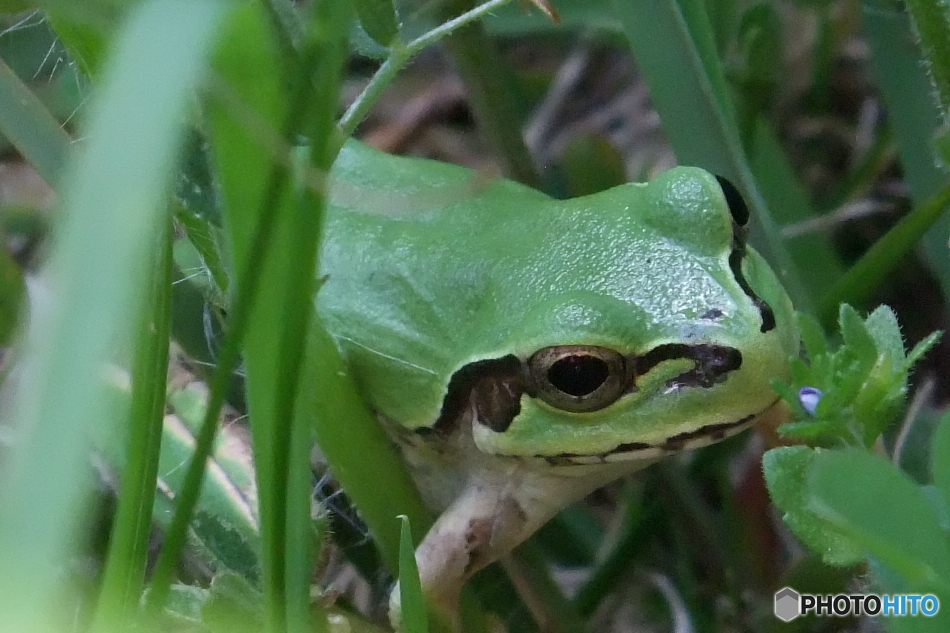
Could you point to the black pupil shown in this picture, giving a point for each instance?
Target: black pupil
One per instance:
(578, 375)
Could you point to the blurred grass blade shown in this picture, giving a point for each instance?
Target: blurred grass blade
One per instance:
(913, 115)
(26, 122)
(676, 54)
(494, 94)
(115, 195)
(859, 283)
(264, 231)
(412, 604)
(124, 575)
(247, 101)
(283, 227)
(789, 204)
(323, 56)
(357, 448)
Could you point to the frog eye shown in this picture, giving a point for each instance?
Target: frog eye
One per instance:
(578, 378)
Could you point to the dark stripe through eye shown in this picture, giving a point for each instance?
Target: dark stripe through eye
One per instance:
(712, 363)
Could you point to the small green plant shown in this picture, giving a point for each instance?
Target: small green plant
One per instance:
(844, 500)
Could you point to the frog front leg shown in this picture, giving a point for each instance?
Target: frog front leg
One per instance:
(502, 502)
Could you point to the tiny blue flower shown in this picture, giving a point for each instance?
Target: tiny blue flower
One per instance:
(809, 397)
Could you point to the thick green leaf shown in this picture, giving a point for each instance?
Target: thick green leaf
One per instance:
(940, 458)
(881, 508)
(786, 472)
(225, 523)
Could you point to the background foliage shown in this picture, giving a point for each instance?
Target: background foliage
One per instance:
(162, 179)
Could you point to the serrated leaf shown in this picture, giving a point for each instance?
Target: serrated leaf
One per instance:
(786, 471)
(805, 430)
(921, 348)
(876, 505)
(802, 374)
(883, 327)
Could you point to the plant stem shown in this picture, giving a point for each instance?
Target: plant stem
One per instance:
(397, 60)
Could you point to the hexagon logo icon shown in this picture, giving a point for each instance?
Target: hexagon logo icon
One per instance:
(787, 604)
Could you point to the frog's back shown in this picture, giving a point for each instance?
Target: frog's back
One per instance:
(403, 270)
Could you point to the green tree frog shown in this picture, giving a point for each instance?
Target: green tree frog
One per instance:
(523, 351)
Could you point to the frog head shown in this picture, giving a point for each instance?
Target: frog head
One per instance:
(666, 340)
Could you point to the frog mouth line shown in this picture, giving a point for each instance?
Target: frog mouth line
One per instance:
(493, 387)
(702, 436)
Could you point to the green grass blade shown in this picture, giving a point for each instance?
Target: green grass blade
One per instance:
(357, 448)
(323, 55)
(124, 575)
(789, 204)
(115, 194)
(913, 115)
(246, 58)
(676, 55)
(859, 283)
(412, 604)
(26, 123)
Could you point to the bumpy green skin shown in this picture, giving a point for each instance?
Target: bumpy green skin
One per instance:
(430, 268)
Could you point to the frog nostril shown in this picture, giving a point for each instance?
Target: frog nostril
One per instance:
(578, 375)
